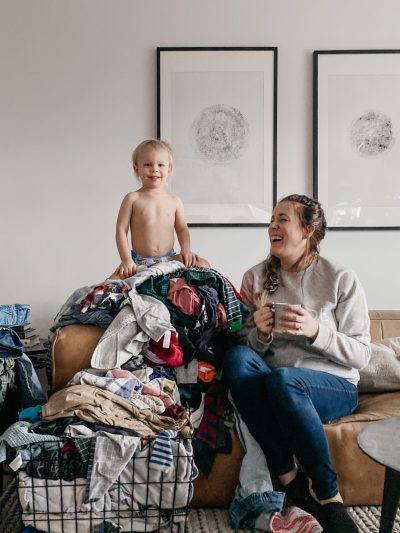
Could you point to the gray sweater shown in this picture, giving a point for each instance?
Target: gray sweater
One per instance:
(338, 302)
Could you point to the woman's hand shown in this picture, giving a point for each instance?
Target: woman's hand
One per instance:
(264, 321)
(298, 321)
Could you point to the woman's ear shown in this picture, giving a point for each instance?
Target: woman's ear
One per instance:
(309, 230)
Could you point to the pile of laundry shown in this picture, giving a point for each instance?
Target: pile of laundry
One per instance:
(119, 435)
(168, 327)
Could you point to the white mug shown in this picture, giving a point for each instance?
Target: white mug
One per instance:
(279, 309)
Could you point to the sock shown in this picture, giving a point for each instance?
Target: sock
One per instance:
(161, 455)
(298, 491)
(335, 519)
(293, 520)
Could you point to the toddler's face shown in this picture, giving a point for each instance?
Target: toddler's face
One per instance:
(153, 167)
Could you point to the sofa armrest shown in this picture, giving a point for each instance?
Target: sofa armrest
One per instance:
(72, 351)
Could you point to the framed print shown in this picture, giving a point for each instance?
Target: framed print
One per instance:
(356, 138)
(217, 108)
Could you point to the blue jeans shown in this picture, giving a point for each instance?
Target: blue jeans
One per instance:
(30, 390)
(14, 314)
(10, 344)
(284, 409)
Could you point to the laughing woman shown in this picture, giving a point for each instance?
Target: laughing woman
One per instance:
(287, 384)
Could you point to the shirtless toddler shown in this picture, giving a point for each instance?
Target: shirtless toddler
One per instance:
(152, 214)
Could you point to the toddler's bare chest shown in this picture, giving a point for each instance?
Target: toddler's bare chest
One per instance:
(154, 211)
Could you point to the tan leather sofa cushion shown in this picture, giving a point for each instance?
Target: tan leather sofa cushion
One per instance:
(373, 407)
(72, 351)
(219, 488)
(360, 478)
(384, 324)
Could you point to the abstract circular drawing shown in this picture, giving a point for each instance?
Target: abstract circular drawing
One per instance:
(219, 134)
(372, 134)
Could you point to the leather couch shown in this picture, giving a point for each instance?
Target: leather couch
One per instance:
(360, 478)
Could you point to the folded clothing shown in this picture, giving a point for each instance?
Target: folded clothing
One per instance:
(14, 314)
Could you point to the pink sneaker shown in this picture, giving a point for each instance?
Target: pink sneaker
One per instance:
(294, 520)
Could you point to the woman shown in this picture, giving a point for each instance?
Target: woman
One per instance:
(287, 384)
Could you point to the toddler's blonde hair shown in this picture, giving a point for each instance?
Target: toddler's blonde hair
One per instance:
(156, 144)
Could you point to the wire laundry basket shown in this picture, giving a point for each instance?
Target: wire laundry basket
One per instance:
(55, 491)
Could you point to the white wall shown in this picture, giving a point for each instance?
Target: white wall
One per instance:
(78, 92)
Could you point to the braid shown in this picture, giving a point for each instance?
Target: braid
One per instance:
(310, 213)
(272, 265)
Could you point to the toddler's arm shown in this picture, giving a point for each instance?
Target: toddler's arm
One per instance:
(127, 267)
(183, 235)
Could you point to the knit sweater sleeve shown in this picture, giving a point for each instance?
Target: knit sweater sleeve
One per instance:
(349, 344)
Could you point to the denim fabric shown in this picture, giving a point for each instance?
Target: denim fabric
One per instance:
(284, 409)
(254, 472)
(151, 260)
(15, 314)
(244, 512)
(29, 387)
(10, 344)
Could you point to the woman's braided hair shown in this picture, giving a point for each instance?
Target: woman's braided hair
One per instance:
(310, 212)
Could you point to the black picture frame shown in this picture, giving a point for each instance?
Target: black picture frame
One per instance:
(217, 106)
(355, 153)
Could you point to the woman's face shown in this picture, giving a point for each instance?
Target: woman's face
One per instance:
(287, 236)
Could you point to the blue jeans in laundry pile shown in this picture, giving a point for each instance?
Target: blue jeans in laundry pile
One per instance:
(29, 387)
(30, 390)
(243, 512)
(10, 344)
(14, 315)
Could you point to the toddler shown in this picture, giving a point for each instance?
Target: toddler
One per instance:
(151, 214)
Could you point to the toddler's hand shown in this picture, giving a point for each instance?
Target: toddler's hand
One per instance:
(127, 269)
(189, 258)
